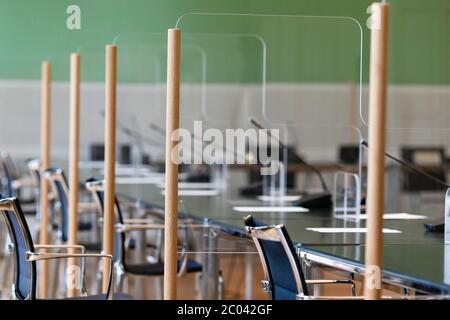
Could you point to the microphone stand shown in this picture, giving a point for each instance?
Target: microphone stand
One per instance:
(315, 200)
(438, 225)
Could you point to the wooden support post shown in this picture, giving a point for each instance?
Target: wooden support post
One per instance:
(110, 157)
(46, 77)
(171, 195)
(377, 141)
(73, 164)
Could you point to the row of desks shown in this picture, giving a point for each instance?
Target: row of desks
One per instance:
(413, 258)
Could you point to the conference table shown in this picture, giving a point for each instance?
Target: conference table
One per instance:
(413, 258)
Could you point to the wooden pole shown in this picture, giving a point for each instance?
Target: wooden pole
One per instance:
(110, 157)
(171, 195)
(377, 137)
(46, 76)
(74, 157)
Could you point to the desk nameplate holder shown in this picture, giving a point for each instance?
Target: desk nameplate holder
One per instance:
(346, 195)
(447, 218)
(447, 238)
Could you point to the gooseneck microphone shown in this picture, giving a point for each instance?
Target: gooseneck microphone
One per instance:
(158, 129)
(310, 200)
(296, 155)
(411, 166)
(134, 134)
(435, 226)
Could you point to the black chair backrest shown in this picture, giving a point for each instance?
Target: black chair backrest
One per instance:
(279, 260)
(60, 186)
(119, 237)
(25, 271)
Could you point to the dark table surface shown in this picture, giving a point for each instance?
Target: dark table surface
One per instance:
(414, 253)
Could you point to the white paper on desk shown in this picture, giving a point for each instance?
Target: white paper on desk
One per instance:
(195, 193)
(129, 171)
(191, 185)
(270, 209)
(348, 230)
(279, 198)
(386, 216)
(138, 180)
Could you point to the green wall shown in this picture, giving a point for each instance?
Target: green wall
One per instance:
(33, 30)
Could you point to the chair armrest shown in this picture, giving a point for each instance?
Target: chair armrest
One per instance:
(326, 281)
(334, 281)
(37, 256)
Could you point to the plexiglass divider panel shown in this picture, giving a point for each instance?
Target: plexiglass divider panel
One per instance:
(269, 70)
(92, 110)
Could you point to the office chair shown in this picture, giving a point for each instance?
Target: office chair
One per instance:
(12, 181)
(26, 254)
(58, 182)
(6, 188)
(123, 226)
(60, 217)
(11, 185)
(284, 277)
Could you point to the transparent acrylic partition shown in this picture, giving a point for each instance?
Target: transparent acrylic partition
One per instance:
(139, 102)
(141, 99)
(447, 238)
(222, 94)
(221, 115)
(92, 110)
(269, 69)
(447, 218)
(141, 90)
(142, 71)
(140, 94)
